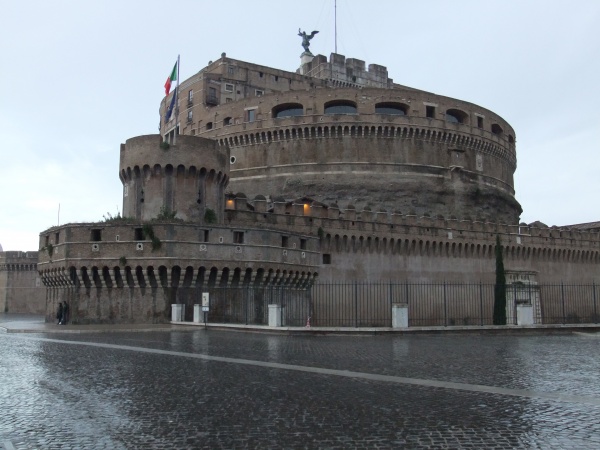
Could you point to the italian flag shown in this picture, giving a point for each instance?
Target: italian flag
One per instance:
(171, 78)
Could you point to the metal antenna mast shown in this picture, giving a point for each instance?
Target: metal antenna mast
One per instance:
(335, 22)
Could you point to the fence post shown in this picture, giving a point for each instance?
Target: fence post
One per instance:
(480, 303)
(562, 295)
(445, 307)
(245, 297)
(355, 304)
(594, 294)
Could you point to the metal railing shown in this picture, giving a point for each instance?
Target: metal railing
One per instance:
(368, 304)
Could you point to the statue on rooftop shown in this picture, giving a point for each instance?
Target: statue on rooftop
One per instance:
(306, 39)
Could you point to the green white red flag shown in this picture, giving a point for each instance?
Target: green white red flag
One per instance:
(171, 78)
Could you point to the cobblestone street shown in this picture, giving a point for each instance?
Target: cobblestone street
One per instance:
(220, 389)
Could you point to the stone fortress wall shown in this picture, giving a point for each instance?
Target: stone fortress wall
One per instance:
(280, 179)
(20, 284)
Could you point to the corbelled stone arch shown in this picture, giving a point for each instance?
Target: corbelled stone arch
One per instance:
(152, 280)
(163, 276)
(118, 277)
(212, 277)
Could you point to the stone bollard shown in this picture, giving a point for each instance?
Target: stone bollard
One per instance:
(399, 315)
(274, 315)
(177, 312)
(524, 315)
(197, 313)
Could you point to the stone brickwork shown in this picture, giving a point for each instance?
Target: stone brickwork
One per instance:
(20, 287)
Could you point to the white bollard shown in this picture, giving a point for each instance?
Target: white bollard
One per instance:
(524, 315)
(274, 315)
(399, 315)
(197, 313)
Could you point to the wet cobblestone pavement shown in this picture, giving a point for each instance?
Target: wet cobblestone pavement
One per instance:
(218, 389)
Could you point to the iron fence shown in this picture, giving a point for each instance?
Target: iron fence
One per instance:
(368, 304)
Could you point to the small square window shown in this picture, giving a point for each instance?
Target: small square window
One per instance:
(284, 241)
(302, 244)
(430, 112)
(326, 258)
(259, 92)
(138, 234)
(238, 237)
(96, 235)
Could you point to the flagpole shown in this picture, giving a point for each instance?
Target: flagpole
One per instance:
(177, 105)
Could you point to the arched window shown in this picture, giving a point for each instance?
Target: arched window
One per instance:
(340, 107)
(456, 116)
(496, 129)
(287, 110)
(394, 109)
(226, 121)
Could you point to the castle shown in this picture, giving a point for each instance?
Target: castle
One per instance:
(333, 172)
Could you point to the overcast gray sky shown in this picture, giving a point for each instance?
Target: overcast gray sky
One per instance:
(80, 77)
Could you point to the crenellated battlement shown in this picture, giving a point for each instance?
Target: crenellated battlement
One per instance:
(379, 223)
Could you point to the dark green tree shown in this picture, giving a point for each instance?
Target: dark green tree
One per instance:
(499, 287)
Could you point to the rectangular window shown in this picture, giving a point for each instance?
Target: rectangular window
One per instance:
(190, 95)
(96, 235)
(56, 237)
(230, 70)
(189, 116)
(259, 92)
(284, 241)
(205, 235)
(326, 258)
(138, 234)
(302, 244)
(47, 240)
(238, 237)
(430, 112)
(251, 115)
(228, 100)
(228, 87)
(479, 122)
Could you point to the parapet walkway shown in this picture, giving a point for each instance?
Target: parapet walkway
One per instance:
(31, 323)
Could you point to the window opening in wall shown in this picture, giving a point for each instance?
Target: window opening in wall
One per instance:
(326, 258)
(259, 92)
(284, 241)
(302, 244)
(479, 122)
(230, 70)
(138, 234)
(511, 139)
(228, 87)
(340, 107)
(276, 78)
(228, 100)
(47, 240)
(211, 97)
(496, 129)
(190, 115)
(260, 74)
(190, 96)
(394, 109)
(456, 116)
(430, 112)
(209, 125)
(288, 110)
(250, 115)
(96, 235)
(56, 237)
(204, 235)
(227, 121)
(238, 237)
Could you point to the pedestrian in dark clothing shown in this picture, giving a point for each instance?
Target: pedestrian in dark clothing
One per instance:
(65, 313)
(59, 313)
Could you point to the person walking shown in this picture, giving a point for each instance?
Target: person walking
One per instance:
(65, 313)
(59, 313)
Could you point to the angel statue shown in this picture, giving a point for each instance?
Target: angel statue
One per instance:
(306, 39)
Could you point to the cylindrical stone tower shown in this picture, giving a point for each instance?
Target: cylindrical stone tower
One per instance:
(187, 178)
